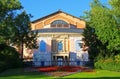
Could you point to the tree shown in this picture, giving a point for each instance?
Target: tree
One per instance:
(15, 26)
(105, 21)
(115, 10)
(7, 12)
(23, 34)
(92, 41)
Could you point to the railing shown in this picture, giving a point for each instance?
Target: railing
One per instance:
(60, 25)
(61, 63)
(58, 63)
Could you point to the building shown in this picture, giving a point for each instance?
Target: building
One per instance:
(59, 40)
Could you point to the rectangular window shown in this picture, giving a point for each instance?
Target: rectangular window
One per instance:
(42, 46)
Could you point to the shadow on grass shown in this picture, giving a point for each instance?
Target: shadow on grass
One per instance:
(19, 73)
(23, 74)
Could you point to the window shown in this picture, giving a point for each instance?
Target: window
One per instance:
(60, 46)
(78, 45)
(59, 24)
(42, 46)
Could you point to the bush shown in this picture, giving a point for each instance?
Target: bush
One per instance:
(9, 57)
(2, 66)
(117, 58)
(110, 63)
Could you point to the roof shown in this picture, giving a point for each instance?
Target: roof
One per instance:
(60, 30)
(59, 11)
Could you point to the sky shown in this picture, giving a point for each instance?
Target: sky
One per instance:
(40, 8)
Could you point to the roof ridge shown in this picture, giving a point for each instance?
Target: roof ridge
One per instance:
(59, 11)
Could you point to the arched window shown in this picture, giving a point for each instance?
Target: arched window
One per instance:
(42, 46)
(60, 46)
(78, 45)
(59, 24)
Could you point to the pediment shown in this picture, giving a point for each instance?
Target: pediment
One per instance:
(47, 20)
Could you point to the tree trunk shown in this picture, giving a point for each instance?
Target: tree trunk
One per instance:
(22, 51)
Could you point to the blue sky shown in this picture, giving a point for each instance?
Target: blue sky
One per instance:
(40, 8)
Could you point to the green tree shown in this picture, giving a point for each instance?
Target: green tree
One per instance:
(92, 41)
(105, 22)
(24, 36)
(115, 10)
(7, 12)
(15, 26)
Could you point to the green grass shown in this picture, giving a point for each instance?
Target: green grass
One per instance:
(20, 74)
(99, 74)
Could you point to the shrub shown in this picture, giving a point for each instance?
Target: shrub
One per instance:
(117, 58)
(109, 63)
(2, 66)
(9, 57)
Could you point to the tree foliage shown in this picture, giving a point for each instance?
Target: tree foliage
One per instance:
(15, 26)
(7, 13)
(105, 21)
(9, 57)
(92, 41)
(23, 34)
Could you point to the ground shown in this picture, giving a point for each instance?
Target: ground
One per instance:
(21, 74)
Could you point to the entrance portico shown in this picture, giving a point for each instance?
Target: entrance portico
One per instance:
(60, 59)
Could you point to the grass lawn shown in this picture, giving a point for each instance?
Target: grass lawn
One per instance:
(99, 74)
(20, 74)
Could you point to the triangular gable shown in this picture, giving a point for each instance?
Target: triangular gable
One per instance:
(59, 15)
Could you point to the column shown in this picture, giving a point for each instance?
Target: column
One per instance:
(64, 45)
(54, 45)
(67, 45)
(69, 25)
(64, 61)
(55, 60)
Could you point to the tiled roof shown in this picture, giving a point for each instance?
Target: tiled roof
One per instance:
(59, 30)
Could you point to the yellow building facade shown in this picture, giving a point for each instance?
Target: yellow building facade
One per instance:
(59, 39)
